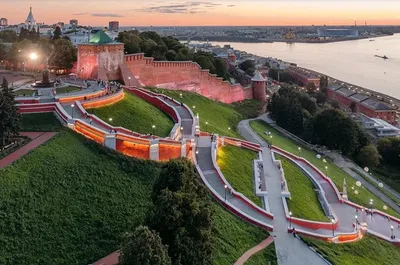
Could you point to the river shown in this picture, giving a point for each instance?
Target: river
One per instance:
(351, 61)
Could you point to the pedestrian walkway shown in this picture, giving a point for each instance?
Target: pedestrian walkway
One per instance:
(289, 249)
(36, 142)
(265, 243)
(111, 259)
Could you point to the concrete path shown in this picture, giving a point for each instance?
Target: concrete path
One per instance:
(348, 165)
(289, 250)
(39, 140)
(111, 259)
(265, 243)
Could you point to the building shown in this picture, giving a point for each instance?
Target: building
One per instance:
(303, 77)
(60, 24)
(30, 22)
(3, 22)
(74, 22)
(362, 103)
(113, 26)
(78, 37)
(335, 33)
(100, 58)
(377, 128)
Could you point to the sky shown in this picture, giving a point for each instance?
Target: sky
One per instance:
(205, 13)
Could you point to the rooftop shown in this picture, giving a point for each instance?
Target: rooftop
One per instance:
(358, 97)
(376, 105)
(345, 91)
(384, 125)
(258, 77)
(100, 38)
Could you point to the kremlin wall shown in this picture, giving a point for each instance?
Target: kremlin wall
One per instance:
(104, 59)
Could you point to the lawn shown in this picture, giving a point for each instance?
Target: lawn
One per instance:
(68, 89)
(237, 166)
(70, 201)
(389, 176)
(219, 116)
(335, 173)
(135, 114)
(370, 250)
(233, 237)
(40, 122)
(25, 92)
(304, 201)
(266, 255)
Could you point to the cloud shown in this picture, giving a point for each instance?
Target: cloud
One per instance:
(191, 7)
(80, 14)
(106, 15)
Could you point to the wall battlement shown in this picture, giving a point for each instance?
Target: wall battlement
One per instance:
(185, 75)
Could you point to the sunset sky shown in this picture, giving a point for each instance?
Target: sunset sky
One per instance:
(197, 13)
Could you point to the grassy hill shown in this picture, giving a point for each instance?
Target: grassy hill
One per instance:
(40, 122)
(71, 200)
(304, 200)
(237, 166)
(137, 115)
(335, 173)
(219, 116)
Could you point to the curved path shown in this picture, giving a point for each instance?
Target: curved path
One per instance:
(265, 243)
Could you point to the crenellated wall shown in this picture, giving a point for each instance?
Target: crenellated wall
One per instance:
(184, 76)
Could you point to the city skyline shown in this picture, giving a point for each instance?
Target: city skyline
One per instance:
(206, 13)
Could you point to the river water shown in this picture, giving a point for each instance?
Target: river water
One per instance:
(351, 61)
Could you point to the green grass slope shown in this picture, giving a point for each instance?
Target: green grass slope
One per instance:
(304, 200)
(237, 166)
(40, 122)
(219, 116)
(264, 256)
(69, 203)
(335, 173)
(135, 114)
(370, 250)
(233, 237)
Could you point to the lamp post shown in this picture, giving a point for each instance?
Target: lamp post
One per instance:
(356, 222)
(110, 119)
(371, 201)
(299, 148)
(129, 78)
(197, 157)
(153, 127)
(326, 170)
(270, 137)
(392, 236)
(72, 107)
(206, 125)
(290, 220)
(226, 187)
(229, 129)
(333, 227)
(181, 96)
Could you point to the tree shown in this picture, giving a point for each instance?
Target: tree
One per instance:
(182, 214)
(310, 87)
(323, 84)
(143, 247)
(335, 104)
(320, 97)
(9, 116)
(368, 156)
(389, 149)
(8, 36)
(354, 107)
(171, 55)
(57, 33)
(64, 54)
(3, 52)
(247, 64)
(221, 69)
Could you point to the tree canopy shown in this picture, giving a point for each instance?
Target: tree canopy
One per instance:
(144, 247)
(389, 149)
(9, 116)
(182, 214)
(368, 156)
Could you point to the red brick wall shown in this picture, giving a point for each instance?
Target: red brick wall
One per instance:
(185, 76)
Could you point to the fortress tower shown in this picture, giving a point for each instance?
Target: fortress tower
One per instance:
(100, 58)
(259, 89)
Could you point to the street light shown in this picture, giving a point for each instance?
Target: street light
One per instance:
(110, 119)
(206, 125)
(392, 236)
(229, 129)
(33, 56)
(299, 151)
(371, 201)
(270, 137)
(356, 222)
(290, 220)
(129, 80)
(181, 96)
(326, 170)
(226, 187)
(153, 127)
(333, 227)
(197, 156)
(72, 107)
